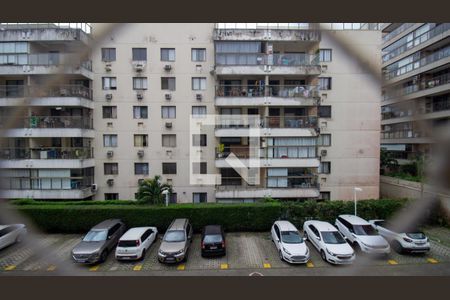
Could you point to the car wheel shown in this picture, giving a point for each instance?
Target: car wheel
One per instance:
(19, 238)
(357, 248)
(142, 255)
(397, 247)
(104, 256)
(323, 255)
(281, 255)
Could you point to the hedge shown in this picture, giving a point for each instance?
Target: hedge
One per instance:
(233, 217)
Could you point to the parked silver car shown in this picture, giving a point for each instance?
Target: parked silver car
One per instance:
(98, 242)
(176, 241)
(10, 234)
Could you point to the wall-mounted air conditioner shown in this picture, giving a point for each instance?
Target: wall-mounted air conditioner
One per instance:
(139, 67)
(108, 67)
(168, 124)
(140, 153)
(110, 153)
(140, 181)
(140, 96)
(110, 182)
(167, 67)
(108, 97)
(199, 97)
(94, 187)
(168, 96)
(323, 152)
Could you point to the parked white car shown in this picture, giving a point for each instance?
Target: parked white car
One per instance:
(329, 242)
(135, 243)
(290, 244)
(11, 234)
(362, 235)
(414, 241)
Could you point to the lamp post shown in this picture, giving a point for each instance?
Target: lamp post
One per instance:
(356, 189)
(166, 194)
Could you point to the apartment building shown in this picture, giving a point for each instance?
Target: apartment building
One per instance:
(416, 88)
(315, 107)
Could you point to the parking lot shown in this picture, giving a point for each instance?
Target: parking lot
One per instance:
(247, 253)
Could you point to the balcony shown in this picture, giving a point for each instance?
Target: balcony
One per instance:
(36, 95)
(405, 136)
(263, 64)
(269, 95)
(397, 31)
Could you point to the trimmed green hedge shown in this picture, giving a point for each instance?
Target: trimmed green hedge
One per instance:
(233, 217)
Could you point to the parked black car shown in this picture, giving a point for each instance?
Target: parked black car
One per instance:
(213, 241)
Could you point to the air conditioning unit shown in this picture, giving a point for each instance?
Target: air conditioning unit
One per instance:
(199, 97)
(139, 67)
(168, 96)
(140, 153)
(140, 95)
(108, 97)
(94, 187)
(110, 182)
(323, 152)
(168, 124)
(108, 67)
(110, 153)
(167, 67)
(140, 181)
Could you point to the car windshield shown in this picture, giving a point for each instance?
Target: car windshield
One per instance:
(174, 236)
(213, 238)
(291, 237)
(364, 230)
(96, 236)
(332, 237)
(416, 235)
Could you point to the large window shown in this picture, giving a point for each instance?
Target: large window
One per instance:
(325, 111)
(108, 54)
(169, 140)
(140, 112)
(199, 140)
(111, 168)
(14, 53)
(239, 53)
(198, 111)
(111, 196)
(141, 140)
(168, 112)
(110, 140)
(199, 197)
(109, 112)
(199, 168)
(141, 169)
(325, 55)
(139, 54)
(325, 167)
(169, 168)
(325, 83)
(139, 83)
(167, 54)
(109, 83)
(324, 140)
(168, 83)
(198, 83)
(198, 54)
(292, 147)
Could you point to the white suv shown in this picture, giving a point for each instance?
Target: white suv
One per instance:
(361, 235)
(290, 244)
(135, 243)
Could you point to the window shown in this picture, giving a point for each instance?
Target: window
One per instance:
(324, 140)
(168, 112)
(325, 83)
(325, 111)
(198, 83)
(169, 168)
(109, 112)
(167, 54)
(141, 168)
(173, 198)
(324, 196)
(108, 54)
(109, 83)
(110, 140)
(199, 197)
(139, 54)
(325, 167)
(139, 83)
(198, 111)
(140, 112)
(199, 167)
(111, 196)
(169, 140)
(141, 140)
(168, 83)
(199, 140)
(111, 168)
(325, 55)
(198, 54)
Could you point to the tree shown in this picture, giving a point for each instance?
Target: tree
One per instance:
(151, 191)
(387, 161)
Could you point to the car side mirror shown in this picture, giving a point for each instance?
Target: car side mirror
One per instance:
(109, 237)
(304, 239)
(319, 238)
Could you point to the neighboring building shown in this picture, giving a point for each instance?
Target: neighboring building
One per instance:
(416, 88)
(318, 112)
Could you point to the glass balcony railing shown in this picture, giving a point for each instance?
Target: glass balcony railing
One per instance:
(276, 152)
(48, 122)
(47, 153)
(291, 122)
(401, 134)
(253, 121)
(45, 59)
(397, 31)
(278, 59)
(38, 91)
(284, 91)
(298, 182)
(44, 183)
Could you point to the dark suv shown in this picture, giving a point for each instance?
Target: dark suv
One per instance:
(213, 241)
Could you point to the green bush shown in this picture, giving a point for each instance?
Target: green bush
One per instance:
(73, 218)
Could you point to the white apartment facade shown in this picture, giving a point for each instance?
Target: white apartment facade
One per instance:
(318, 111)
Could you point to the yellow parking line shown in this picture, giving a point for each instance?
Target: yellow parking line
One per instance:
(181, 267)
(309, 264)
(432, 260)
(137, 268)
(392, 262)
(51, 268)
(223, 266)
(267, 266)
(10, 268)
(94, 268)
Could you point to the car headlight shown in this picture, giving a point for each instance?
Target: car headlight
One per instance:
(179, 252)
(307, 251)
(407, 240)
(331, 253)
(287, 252)
(160, 252)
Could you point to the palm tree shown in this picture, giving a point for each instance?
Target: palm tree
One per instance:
(151, 191)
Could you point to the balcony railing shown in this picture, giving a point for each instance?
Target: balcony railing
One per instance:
(47, 153)
(279, 59)
(85, 27)
(293, 59)
(420, 39)
(43, 183)
(277, 152)
(397, 31)
(253, 121)
(422, 85)
(291, 122)
(283, 91)
(299, 182)
(300, 26)
(431, 58)
(38, 91)
(49, 122)
(401, 134)
(45, 59)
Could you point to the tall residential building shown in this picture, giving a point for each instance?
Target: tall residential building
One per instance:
(314, 106)
(416, 88)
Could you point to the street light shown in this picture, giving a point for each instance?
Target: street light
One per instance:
(166, 193)
(356, 189)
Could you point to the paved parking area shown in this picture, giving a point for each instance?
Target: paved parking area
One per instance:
(245, 251)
